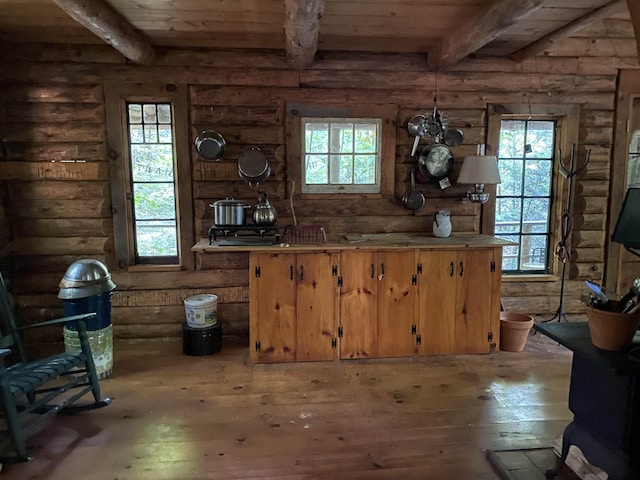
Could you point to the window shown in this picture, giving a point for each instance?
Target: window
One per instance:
(153, 184)
(333, 150)
(341, 155)
(147, 132)
(524, 198)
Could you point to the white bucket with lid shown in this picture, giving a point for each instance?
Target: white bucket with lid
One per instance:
(201, 310)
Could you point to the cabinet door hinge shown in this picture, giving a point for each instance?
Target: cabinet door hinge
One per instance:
(419, 340)
(257, 346)
(257, 272)
(413, 329)
(489, 337)
(493, 266)
(419, 269)
(339, 281)
(340, 331)
(334, 270)
(414, 279)
(334, 342)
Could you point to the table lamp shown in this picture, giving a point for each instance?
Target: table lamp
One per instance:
(479, 170)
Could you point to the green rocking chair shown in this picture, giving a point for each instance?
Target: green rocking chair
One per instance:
(33, 391)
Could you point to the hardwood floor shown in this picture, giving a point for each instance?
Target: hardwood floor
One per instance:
(218, 417)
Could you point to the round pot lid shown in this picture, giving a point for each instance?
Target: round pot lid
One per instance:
(228, 202)
(435, 161)
(210, 145)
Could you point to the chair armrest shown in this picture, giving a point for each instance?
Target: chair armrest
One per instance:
(4, 352)
(57, 321)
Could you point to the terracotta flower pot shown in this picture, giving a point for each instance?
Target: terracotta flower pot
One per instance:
(611, 330)
(514, 331)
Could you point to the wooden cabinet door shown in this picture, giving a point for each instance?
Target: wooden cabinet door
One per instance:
(316, 306)
(436, 305)
(272, 286)
(396, 303)
(475, 302)
(358, 305)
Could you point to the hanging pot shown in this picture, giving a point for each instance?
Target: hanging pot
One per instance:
(210, 145)
(435, 161)
(253, 167)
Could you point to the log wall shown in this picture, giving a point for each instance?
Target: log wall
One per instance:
(57, 171)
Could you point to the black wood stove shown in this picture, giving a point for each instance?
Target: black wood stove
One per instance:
(604, 397)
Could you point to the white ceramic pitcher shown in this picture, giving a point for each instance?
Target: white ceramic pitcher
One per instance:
(442, 223)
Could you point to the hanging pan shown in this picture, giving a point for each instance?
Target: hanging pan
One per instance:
(210, 145)
(413, 199)
(253, 167)
(435, 161)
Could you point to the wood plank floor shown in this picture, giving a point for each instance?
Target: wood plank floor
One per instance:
(178, 417)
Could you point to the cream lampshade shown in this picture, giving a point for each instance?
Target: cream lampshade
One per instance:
(479, 170)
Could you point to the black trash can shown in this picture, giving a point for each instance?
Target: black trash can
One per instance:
(201, 341)
(87, 288)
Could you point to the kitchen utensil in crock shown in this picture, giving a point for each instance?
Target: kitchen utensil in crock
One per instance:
(264, 213)
(229, 212)
(634, 291)
(435, 161)
(210, 145)
(413, 199)
(253, 167)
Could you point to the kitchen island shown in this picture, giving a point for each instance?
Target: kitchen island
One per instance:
(368, 296)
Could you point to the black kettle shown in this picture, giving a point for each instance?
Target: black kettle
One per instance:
(264, 213)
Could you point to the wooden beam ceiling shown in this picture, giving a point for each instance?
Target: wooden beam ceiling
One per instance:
(301, 26)
(105, 22)
(634, 10)
(549, 40)
(475, 33)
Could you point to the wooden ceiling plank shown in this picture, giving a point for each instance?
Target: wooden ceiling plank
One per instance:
(105, 22)
(301, 27)
(475, 33)
(634, 11)
(567, 30)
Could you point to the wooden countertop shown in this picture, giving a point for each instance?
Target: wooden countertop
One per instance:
(359, 242)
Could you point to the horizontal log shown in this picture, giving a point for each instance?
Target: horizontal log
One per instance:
(146, 298)
(585, 238)
(587, 271)
(54, 171)
(42, 208)
(207, 171)
(61, 246)
(238, 189)
(595, 221)
(63, 227)
(58, 112)
(39, 263)
(595, 118)
(197, 279)
(58, 190)
(587, 254)
(403, 98)
(240, 134)
(596, 135)
(230, 115)
(51, 93)
(55, 152)
(54, 132)
(222, 260)
(480, 81)
(592, 188)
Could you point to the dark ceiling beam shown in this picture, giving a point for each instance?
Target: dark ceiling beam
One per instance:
(105, 22)
(470, 36)
(546, 42)
(301, 26)
(634, 10)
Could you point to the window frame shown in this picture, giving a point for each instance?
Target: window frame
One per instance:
(293, 123)
(567, 119)
(116, 97)
(340, 188)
